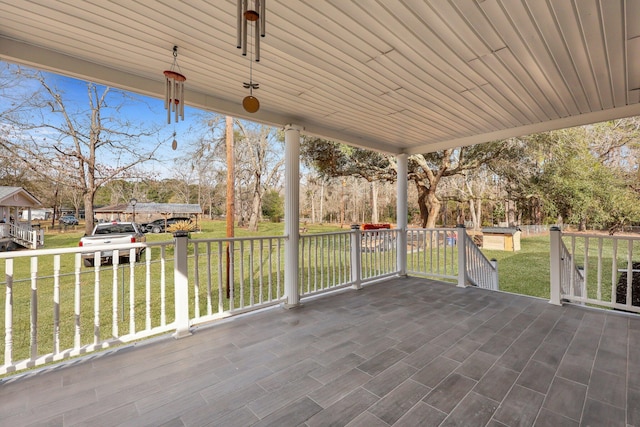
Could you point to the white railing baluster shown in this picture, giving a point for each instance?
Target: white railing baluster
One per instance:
(251, 284)
(629, 273)
(34, 309)
(114, 301)
(614, 269)
(163, 284)
(8, 313)
(209, 280)
(220, 279)
(96, 297)
(76, 304)
(196, 281)
(231, 274)
(147, 288)
(241, 273)
(260, 281)
(599, 290)
(56, 304)
(132, 301)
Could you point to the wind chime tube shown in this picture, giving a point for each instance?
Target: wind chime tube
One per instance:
(182, 100)
(176, 102)
(239, 26)
(257, 42)
(166, 92)
(262, 21)
(244, 28)
(168, 103)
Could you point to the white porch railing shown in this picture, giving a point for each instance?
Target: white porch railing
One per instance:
(481, 272)
(254, 267)
(55, 308)
(450, 253)
(432, 252)
(594, 269)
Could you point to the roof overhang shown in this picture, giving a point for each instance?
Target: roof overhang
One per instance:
(394, 76)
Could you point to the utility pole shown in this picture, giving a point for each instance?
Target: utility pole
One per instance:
(230, 193)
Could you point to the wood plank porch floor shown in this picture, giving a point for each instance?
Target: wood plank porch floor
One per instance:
(404, 352)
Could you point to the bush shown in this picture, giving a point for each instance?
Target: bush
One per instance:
(181, 226)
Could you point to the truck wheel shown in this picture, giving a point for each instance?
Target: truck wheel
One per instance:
(156, 230)
(88, 262)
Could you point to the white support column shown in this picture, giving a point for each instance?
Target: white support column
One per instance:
(291, 214)
(181, 283)
(402, 213)
(356, 260)
(555, 267)
(461, 241)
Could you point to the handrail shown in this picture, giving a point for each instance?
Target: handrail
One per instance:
(480, 271)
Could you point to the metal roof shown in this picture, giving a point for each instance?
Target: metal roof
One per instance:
(164, 208)
(392, 75)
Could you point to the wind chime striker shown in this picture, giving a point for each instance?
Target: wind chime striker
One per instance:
(255, 19)
(174, 90)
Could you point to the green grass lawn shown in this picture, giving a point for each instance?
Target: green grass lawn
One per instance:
(525, 272)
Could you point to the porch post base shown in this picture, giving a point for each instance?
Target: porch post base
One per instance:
(288, 306)
(182, 334)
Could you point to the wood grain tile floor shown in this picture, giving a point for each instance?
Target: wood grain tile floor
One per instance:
(404, 352)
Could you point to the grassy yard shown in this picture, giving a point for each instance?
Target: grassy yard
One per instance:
(525, 272)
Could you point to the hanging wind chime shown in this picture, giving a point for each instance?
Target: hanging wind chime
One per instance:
(174, 90)
(253, 19)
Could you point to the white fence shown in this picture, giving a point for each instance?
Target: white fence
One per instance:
(598, 270)
(55, 308)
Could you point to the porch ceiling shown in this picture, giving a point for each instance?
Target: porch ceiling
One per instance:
(392, 75)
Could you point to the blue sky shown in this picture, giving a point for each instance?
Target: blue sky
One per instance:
(138, 108)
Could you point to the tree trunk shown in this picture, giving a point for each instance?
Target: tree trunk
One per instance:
(474, 216)
(322, 202)
(429, 206)
(88, 213)
(256, 204)
(374, 203)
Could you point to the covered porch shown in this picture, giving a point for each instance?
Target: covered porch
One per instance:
(405, 351)
(400, 77)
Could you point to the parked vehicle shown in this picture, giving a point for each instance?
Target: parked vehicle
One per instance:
(112, 233)
(160, 225)
(69, 220)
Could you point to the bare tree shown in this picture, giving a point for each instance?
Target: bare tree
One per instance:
(259, 163)
(86, 146)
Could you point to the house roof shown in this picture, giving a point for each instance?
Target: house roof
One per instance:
(18, 197)
(400, 76)
(165, 208)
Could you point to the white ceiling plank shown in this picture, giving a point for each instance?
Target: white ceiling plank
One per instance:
(392, 75)
(613, 24)
(547, 25)
(591, 21)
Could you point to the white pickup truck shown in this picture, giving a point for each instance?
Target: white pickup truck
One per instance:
(109, 234)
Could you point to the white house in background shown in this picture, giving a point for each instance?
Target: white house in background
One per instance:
(13, 201)
(36, 214)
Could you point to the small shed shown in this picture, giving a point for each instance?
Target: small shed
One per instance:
(501, 239)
